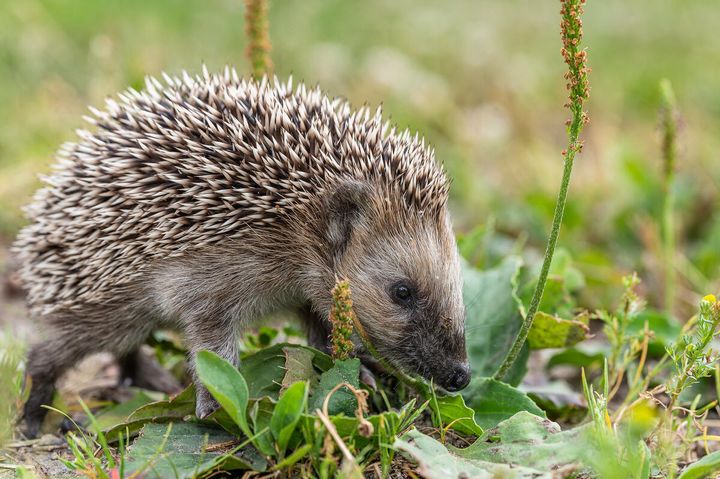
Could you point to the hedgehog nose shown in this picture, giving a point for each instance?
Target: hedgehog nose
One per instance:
(458, 378)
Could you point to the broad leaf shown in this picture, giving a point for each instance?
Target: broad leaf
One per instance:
(119, 413)
(298, 366)
(287, 414)
(508, 443)
(552, 332)
(494, 401)
(703, 468)
(342, 400)
(453, 411)
(266, 370)
(226, 384)
(187, 450)
(436, 462)
(493, 317)
(260, 414)
(583, 355)
(174, 408)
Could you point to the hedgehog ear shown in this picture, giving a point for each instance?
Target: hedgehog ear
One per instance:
(346, 206)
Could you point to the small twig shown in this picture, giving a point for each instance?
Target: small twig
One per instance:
(336, 437)
(365, 427)
(643, 356)
(618, 382)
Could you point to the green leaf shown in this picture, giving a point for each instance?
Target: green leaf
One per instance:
(174, 408)
(260, 414)
(493, 316)
(552, 332)
(226, 384)
(119, 413)
(494, 401)
(665, 328)
(703, 468)
(298, 366)
(187, 450)
(582, 356)
(265, 370)
(524, 446)
(386, 424)
(296, 455)
(287, 414)
(436, 462)
(558, 400)
(563, 266)
(454, 411)
(508, 443)
(342, 401)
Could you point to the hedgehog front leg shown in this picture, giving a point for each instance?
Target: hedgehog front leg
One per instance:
(316, 328)
(220, 337)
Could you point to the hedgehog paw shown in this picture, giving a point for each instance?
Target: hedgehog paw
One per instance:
(367, 377)
(205, 403)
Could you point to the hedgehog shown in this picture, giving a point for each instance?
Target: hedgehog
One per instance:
(205, 202)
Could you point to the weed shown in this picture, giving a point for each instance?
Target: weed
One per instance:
(256, 30)
(575, 57)
(668, 123)
(341, 320)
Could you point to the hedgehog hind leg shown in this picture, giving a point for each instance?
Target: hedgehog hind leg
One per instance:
(142, 370)
(46, 362)
(42, 377)
(72, 337)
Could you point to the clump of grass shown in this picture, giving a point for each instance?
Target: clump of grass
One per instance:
(692, 360)
(692, 356)
(256, 30)
(625, 347)
(92, 456)
(578, 87)
(11, 379)
(341, 319)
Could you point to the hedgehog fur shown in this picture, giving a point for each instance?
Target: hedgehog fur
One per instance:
(207, 202)
(195, 161)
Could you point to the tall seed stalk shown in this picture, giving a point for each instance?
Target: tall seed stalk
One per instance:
(668, 121)
(577, 85)
(341, 318)
(256, 30)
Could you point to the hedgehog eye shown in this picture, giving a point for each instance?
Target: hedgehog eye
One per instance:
(402, 293)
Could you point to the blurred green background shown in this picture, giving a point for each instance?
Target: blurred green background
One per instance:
(481, 79)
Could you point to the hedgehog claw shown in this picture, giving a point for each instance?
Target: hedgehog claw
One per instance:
(205, 404)
(367, 377)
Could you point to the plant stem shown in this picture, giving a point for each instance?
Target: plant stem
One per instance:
(256, 30)
(549, 252)
(669, 131)
(575, 57)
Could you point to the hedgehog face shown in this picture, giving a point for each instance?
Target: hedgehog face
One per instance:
(406, 283)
